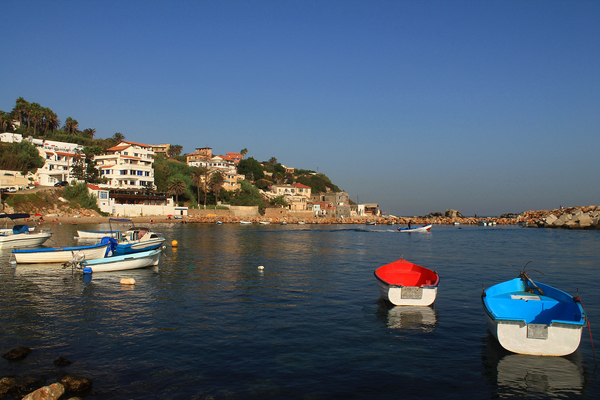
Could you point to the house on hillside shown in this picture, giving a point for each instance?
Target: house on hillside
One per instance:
(161, 149)
(340, 203)
(127, 165)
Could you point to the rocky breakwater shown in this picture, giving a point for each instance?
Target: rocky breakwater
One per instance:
(566, 218)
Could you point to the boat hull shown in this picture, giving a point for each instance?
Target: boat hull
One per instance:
(406, 284)
(97, 234)
(548, 324)
(23, 240)
(136, 247)
(59, 254)
(122, 263)
(425, 228)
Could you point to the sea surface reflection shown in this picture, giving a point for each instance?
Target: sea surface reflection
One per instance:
(207, 323)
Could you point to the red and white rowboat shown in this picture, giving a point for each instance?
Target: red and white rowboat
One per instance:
(403, 283)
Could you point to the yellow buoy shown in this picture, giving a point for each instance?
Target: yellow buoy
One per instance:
(174, 243)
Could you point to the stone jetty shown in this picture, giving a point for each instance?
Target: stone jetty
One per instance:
(570, 218)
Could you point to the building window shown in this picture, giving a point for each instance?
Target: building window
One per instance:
(103, 195)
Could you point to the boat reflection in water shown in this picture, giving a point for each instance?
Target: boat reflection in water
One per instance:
(408, 317)
(519, 374)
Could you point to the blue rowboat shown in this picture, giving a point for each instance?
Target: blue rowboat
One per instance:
(529, 317)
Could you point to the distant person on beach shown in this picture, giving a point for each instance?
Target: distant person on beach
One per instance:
(409, 224)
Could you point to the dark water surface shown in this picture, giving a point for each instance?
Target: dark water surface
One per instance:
(208, 324)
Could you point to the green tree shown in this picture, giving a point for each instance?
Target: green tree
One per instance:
(198, 178)
(71, 125)
(78, 168)
(279, 201)
(243, 152)
(251, 169)
(174, 150)
(177, 186)
(21, 156)
(216, 184)
(5, 121)
(118, 137)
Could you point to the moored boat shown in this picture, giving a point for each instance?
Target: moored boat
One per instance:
(141, 259)
(424, 228)
(138, 239)
(20, 235)
(245, 222)
(529, 317)
(403, 283)
(61, 254)
(97, 234)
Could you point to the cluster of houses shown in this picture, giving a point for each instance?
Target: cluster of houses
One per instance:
(127, 169)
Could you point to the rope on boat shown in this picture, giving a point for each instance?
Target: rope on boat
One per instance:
(578, 299)
(523, 275)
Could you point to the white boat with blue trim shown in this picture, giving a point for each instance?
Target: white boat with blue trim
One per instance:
(424, 228)
(141, 259)
(20, 235)
(529, 317)
(61, 254)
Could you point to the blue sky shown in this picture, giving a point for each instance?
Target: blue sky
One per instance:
(487, 107)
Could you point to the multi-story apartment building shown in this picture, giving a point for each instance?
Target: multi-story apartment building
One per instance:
(58, 156)
(127, 165)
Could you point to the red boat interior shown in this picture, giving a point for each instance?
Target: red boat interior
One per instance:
(404, 273)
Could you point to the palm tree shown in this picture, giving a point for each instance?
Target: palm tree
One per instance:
(216, 184)
(20, 107)
(177, 186)
(273, 160)
(36, 115)
(198, 178)
(71, 124)
(89, 132)
(174, 150)
(5, 121)
(118, 137)
(243, 152)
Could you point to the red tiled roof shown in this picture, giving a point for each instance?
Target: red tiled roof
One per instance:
(93, 187)
(299, 185)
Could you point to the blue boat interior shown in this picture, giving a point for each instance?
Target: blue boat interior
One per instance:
(535, 309)
(513, 300)
(20, 229)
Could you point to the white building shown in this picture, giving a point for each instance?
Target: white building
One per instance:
(8, 137)
(127, 165)
(134, 205)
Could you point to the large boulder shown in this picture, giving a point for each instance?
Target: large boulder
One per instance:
(550, 219)
(17, 354)
(52, 392)
(453, 214)
(562, 220)
(76, 384)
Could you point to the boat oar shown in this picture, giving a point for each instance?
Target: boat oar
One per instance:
(578, 299)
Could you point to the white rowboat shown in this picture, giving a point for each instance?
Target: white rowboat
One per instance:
(121, 263)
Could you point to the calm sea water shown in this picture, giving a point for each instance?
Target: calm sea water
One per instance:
(208, 324)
